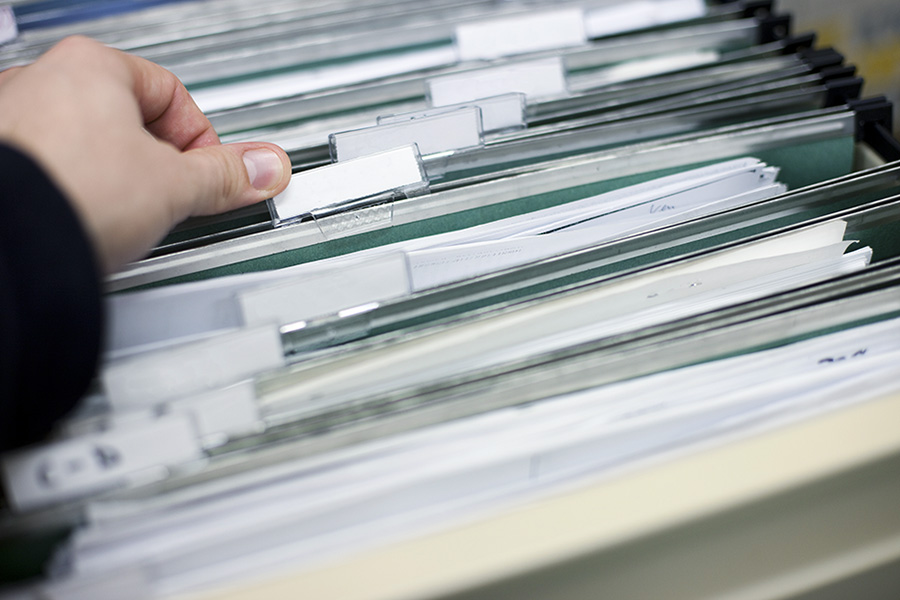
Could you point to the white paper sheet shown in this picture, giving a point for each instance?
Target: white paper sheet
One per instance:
(432, 478)
(789, 260)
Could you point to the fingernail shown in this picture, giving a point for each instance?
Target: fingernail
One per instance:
(264, 168)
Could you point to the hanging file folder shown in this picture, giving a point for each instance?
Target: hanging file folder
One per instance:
(534, 258)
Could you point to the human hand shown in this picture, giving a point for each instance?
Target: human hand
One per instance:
(125, 142)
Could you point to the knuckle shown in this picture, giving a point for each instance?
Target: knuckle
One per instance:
(76, 44)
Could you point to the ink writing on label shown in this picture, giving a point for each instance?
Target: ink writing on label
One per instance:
(842, 357)
(658, 208)
(107, 456)
(75, 467)
(51, 473)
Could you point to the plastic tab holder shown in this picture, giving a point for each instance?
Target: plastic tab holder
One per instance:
(223, 414)
(9, 30)
(448, 132)
(369, 214)
(540, 78)
(520, 34)
(505, 112)
(219, 415)
(328, 293)
(74, 468)
(632, 16)
(192, 368)
(343, 185)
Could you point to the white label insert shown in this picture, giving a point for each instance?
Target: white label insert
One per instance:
(93, 463)
(340, 183)
(447, 132)
(498, 113)
(328, 293)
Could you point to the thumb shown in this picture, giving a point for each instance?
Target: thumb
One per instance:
(223, 177)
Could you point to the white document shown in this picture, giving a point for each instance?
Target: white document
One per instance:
(581, 211)
(576, 318)
(437, 266)
(435, 477)
(680, 295)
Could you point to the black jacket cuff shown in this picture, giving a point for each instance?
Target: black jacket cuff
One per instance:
(50, 303)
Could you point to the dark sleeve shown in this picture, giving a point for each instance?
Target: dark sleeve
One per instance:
(50, 304)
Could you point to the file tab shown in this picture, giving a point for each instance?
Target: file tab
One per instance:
(446, 132)
(77, 467)
(192, 368)
(223, 414)
(327, 293)
(218, 415)
(542, 78)
(520, 34)
(498, 113)
(332, 187)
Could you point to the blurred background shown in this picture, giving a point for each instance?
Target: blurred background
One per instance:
(867, 32)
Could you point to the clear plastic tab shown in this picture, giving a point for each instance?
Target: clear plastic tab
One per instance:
(542, 78)
(498, 113)
(218, 415)
(446, 132)
(332, 188)
(223, 414)
(520, 34)
(78, 467)
(328, 293)
(193, 368)
(356, 217)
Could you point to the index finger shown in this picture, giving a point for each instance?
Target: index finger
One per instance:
(166, 108)
(169, 111)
